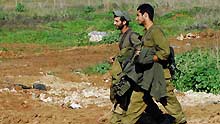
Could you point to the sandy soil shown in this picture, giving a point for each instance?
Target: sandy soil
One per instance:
(28, 63)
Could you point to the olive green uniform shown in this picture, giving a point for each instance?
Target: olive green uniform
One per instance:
(127, 41)
(141, 99)
(154, 37)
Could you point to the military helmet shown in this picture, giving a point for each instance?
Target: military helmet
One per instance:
(120, 13)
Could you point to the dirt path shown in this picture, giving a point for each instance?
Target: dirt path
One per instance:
(27, 63)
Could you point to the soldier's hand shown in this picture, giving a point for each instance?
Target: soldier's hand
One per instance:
(155, 58)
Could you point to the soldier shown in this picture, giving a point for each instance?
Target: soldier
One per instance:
(129, 105)
(154, 37)
(128, 43)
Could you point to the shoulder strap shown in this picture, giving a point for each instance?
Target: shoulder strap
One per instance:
(122, 39)
(139, 37)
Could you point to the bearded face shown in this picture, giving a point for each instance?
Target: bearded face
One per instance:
(118, 23)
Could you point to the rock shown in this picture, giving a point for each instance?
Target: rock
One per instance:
(96, 36)
(75, 106)
(39, 86)
(180, 37)
(187, 36)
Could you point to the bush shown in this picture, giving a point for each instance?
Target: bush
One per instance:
(111, 38)
(3, 49)
(199, 71)
(88, 9)
(20, 7)
(100, 68)
(3, 16)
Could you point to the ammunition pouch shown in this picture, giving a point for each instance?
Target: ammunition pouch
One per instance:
(120, 93)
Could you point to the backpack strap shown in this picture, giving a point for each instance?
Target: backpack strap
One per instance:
(139, 37)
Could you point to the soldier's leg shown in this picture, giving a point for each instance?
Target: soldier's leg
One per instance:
(135, 108)
(153, 110)
(139, 104)
(117, 115)
(173, 106)
(116, 118)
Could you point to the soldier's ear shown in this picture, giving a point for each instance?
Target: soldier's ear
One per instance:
(124, 22)
(145, 15)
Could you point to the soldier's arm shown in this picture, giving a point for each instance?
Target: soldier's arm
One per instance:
(136, 42)
(162, 45)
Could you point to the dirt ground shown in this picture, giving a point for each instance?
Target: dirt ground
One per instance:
(27, 63)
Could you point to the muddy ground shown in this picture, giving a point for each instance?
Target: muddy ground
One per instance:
(28, 63)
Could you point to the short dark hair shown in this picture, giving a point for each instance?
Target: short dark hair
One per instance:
(123, 19)
(148, 9)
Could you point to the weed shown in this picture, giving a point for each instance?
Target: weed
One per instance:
(69, 26)
(3, 16)
(100, 68)
(199, 71)
(3, 49)
(111, 38)
(89, 9)
(20, 7)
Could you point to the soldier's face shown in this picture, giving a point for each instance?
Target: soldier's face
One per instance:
(140, 18)
(118, 23)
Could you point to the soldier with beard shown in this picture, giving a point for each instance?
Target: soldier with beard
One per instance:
(128, 43)
(129, 102)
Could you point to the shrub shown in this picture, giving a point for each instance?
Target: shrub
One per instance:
(3, 16)
(3, 49)
(88, 9)
(100, 68)
(199, 71)
(111, 38)
(20, 7)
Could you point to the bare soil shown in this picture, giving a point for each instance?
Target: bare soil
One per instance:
(27, 63)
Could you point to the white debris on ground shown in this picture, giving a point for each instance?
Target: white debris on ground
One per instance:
(75, 106)
(80, 95)
(83, 95)
(8, 90)
(73, 94)
(96, 36)
(188, 36)
(191, 98)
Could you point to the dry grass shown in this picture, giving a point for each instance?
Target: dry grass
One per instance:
(174, 4)
(162, 5)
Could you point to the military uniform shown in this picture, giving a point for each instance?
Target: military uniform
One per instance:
(146, 83)
(128, 43)
(154, 37)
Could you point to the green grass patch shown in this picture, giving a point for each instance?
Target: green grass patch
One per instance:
(70, 26)
(175, 22)
(63, 33)
(182, 21)
(3, 49)
(100, 68)
(3, 15)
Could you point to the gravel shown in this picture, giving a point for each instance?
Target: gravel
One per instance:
(79, 95)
